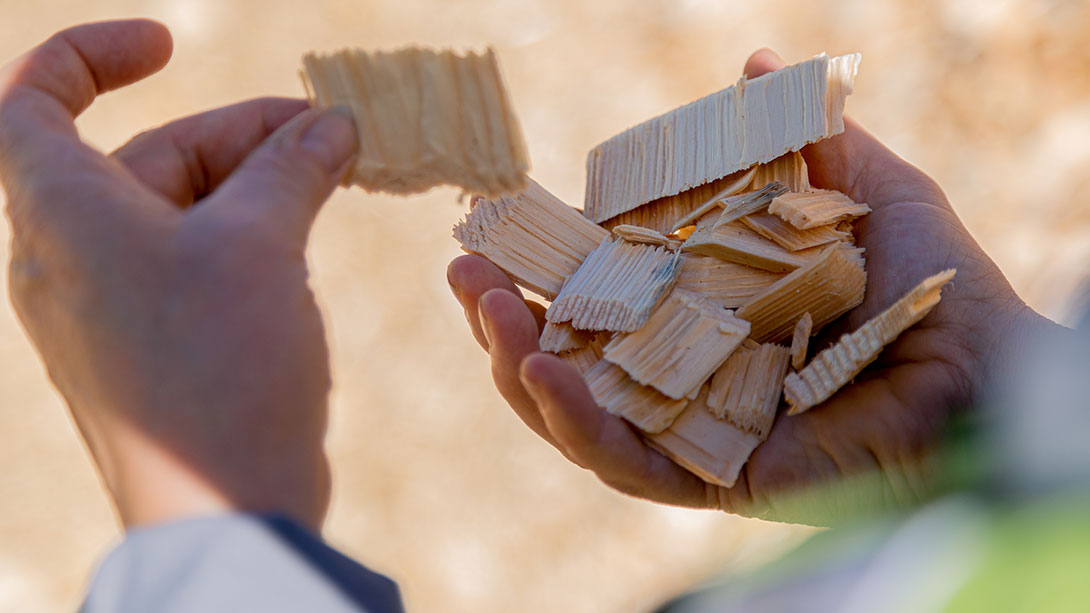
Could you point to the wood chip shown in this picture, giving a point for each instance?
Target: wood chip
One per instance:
(750, 123)
(645, 236)
(830, 285)
(716, 201)
(819, 207)
(790, 170)
(585, 357)
(746, 389)
(664, 213)
(711, 449)
(728, 284)
(833, 368)
(618, 394)
(616, 288)
(423, 118)
(739, 206)
(562, 337)
(681, 345)
(800, 340)
(534, 237)
(788, 236)
(734, 242)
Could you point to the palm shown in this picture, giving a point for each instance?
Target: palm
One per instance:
(883, 424)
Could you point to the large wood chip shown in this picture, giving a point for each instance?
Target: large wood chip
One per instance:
(532, 236)
(788, 236)
(585, 357)
(664, 214)
(616, 288)
(746, 389)
(739, 206)
(711, 449)
(753, 122)
(728, 284)
(833, 368)
(800, 340)
(789, 170)
(562, 337)
(734, 242)
(819, 207)
(681, 345)
(618, 394)
(423, 118)
(830, 285)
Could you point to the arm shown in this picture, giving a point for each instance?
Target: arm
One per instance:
(883, 427)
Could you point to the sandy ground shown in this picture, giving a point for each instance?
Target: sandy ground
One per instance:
(436, 482)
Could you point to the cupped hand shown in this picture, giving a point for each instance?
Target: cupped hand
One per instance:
(165, 285)
(882, 428)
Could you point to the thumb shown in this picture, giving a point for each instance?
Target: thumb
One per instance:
(284, 181)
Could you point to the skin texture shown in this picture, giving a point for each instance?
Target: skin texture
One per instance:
(165, 285)
(881, 429)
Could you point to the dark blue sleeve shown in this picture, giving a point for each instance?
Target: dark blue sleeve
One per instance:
(234, 563)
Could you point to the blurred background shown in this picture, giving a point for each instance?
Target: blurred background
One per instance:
(436, 482)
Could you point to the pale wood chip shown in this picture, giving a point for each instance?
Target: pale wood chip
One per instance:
(788, 236)
(753, 122)
(531, 235)
(789, 169)
(739, 206)
(616, 288)
(735, 242)
(746, 389)
(800, 340)
(585, 357)
(618, 394)
(830, 285)
(715, 201)
(833, 368)
(664, 213)
(728, 284)
(424, 118)
(818, 207)
(681, 345)
(645, 236)
(711, 449)
(562, 337)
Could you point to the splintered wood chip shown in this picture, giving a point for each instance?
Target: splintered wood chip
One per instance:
(646, 236)
(746, 389)
(663, 214)
(819, 207)
(750, 123)
(829, 286)
(618, 394)
(616, 288)
(712, 449)
(836, 366)
(681, 345)
(423, 118)
(532, 236)
(788, 236)
(585, 357)
(715, 201)
(789, 170)
(728, 284)
(800, 341)
(735, 242)
(562, 337)
(737, 207)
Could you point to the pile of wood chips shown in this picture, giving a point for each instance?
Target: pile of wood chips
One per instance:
(687, 290)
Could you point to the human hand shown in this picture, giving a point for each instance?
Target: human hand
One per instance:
(165, 285)
(884, 425)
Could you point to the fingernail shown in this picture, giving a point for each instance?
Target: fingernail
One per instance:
(331, 138)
